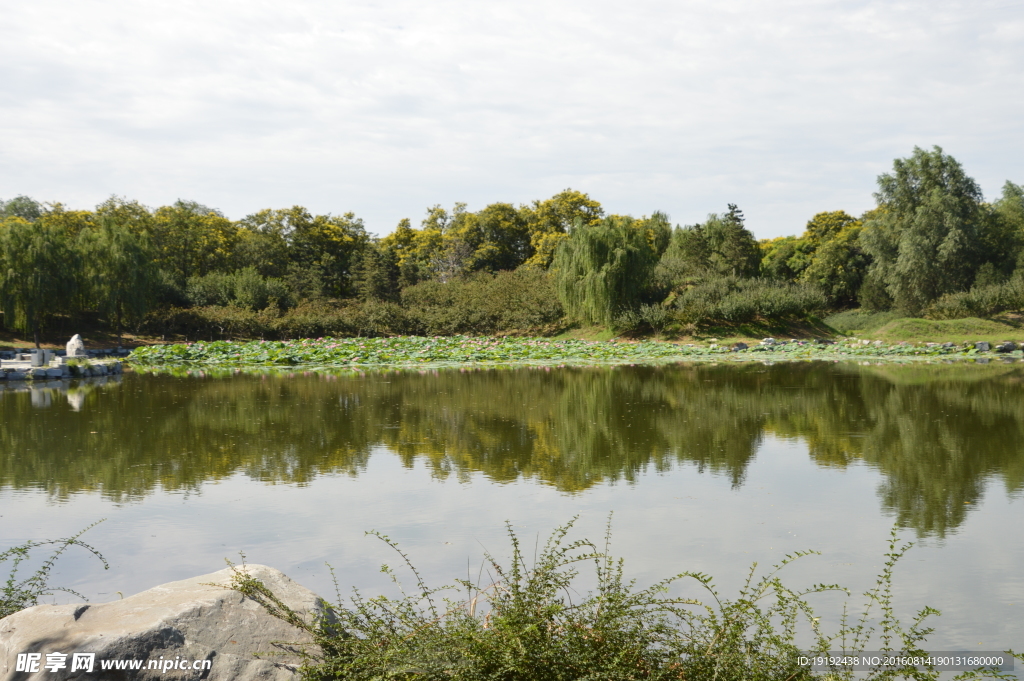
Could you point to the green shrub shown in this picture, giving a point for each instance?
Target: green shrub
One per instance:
(18, 594)
(980, 301)
(735, 300)
(521, 300)
(245, 288)
(532, 622)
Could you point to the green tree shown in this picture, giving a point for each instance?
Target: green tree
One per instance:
(119, 269)
(38, 274)
(550, 221)
(925, 240)
(190, 239)
(1003, 240)
(23, 207)
(838, 266)
(733, 248)
(377, 275)
(603, 270)
(785, 258)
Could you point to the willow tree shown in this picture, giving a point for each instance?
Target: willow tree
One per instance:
(37, 274)
(120, 272)
(603, 269)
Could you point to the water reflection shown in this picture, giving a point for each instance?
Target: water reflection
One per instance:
(937, 433)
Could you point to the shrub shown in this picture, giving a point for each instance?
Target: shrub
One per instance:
(735, 300)
(18, 594)
(532, 623)
(980, 301)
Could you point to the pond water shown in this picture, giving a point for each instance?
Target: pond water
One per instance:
(706, 468)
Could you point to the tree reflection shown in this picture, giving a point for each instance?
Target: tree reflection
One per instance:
(936, 433)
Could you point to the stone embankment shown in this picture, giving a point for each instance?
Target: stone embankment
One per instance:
(197, 628)
(44, 365)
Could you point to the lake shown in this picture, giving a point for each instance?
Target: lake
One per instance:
(704, 467)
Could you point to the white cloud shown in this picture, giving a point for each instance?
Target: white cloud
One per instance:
(784, 107)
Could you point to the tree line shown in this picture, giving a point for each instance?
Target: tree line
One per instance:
(932, 246)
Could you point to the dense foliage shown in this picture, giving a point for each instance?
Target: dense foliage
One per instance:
(932, 246)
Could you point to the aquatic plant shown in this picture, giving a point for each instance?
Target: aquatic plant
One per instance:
(418, 350)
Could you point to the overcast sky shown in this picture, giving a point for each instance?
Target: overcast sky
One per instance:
(787, 107)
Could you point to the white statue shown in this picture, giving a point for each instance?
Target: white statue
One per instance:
(76, 348)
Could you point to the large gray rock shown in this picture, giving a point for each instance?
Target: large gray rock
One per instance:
(192, 620)
(75, 347)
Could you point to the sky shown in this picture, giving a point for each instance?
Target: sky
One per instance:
(784, 107)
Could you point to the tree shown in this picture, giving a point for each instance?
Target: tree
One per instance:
(118, 264)
(733, 248)
(925, 240)
(839, 264)
(190, 239)
(785, 258)
(603, 270)
(377, 274)
(550, 221)
(38, 274)
(23, 207)
(1003, 239)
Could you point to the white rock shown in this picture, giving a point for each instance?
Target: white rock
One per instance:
(194, 619)
(75, 347)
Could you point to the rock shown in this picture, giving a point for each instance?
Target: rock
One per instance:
(38, 374)
(767, 341)
(16, 376)
(740, 346)
(192, 621)
(1008, 346)
(824, 341)
(54, 373)
(75, 347)
(982, 346)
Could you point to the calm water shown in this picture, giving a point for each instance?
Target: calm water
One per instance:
(706, 468)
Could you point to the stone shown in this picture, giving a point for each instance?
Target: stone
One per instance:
(16, 376)
(75, 347)
(1008, 346)
(38, 374)
(982, 346)
(767, 341)
(740, 346)
(54, 373)
(196, 619)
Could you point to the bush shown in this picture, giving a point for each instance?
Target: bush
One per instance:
(533, 623)
(521, 300)
(980, 301)
(18, 594)
(244, 288)
(736, 301)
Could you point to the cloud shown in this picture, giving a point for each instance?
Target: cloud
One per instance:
(786, 108)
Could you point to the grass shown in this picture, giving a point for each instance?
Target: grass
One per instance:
(890, 327)
(20, 593)
(530, 621)
(952, 330)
